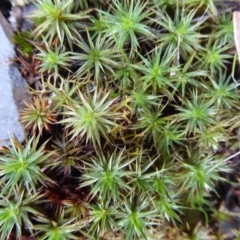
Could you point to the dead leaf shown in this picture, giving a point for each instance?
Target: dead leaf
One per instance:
(236, 29)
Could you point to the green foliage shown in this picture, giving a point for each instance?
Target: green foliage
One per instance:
(214, 57)
(141, 168)
(224, 29)
(139, 104)
(167, 200)
(152, 124)
(188, 77)
(197, 114)
(106, 175)
(60, 228)
(143, 101)
(223, 91)
(22, 42)
(125, 75)
(102, 216)
(14, 212)
(210, 5)
(163, 4)
(54, 19)
(211, 137)
(22, 165)
(199, 174)
(180, 33)
(126, 21)
(63, 95)
(135, 216)
(156, 72)
(92, 116)
(51, 60)
(100, 57)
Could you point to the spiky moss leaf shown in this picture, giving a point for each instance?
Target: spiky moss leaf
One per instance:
(196, 114)
(180, 34)
(135, 215)
(52, 60)
(199, 174)
(107, 175)
(59, 228)
(22, 165)
(55, 19)
(126, 21)
(15, 212)
(37, 115)
(91, 117)
(100, 57)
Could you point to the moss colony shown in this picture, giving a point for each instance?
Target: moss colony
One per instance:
(132, 126)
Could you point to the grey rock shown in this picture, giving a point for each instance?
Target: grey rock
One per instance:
(229, 227)
(231, 224)
(13, 88)
(28, 10)
(20, 17)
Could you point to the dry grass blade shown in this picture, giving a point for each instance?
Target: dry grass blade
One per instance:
(236, 27)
